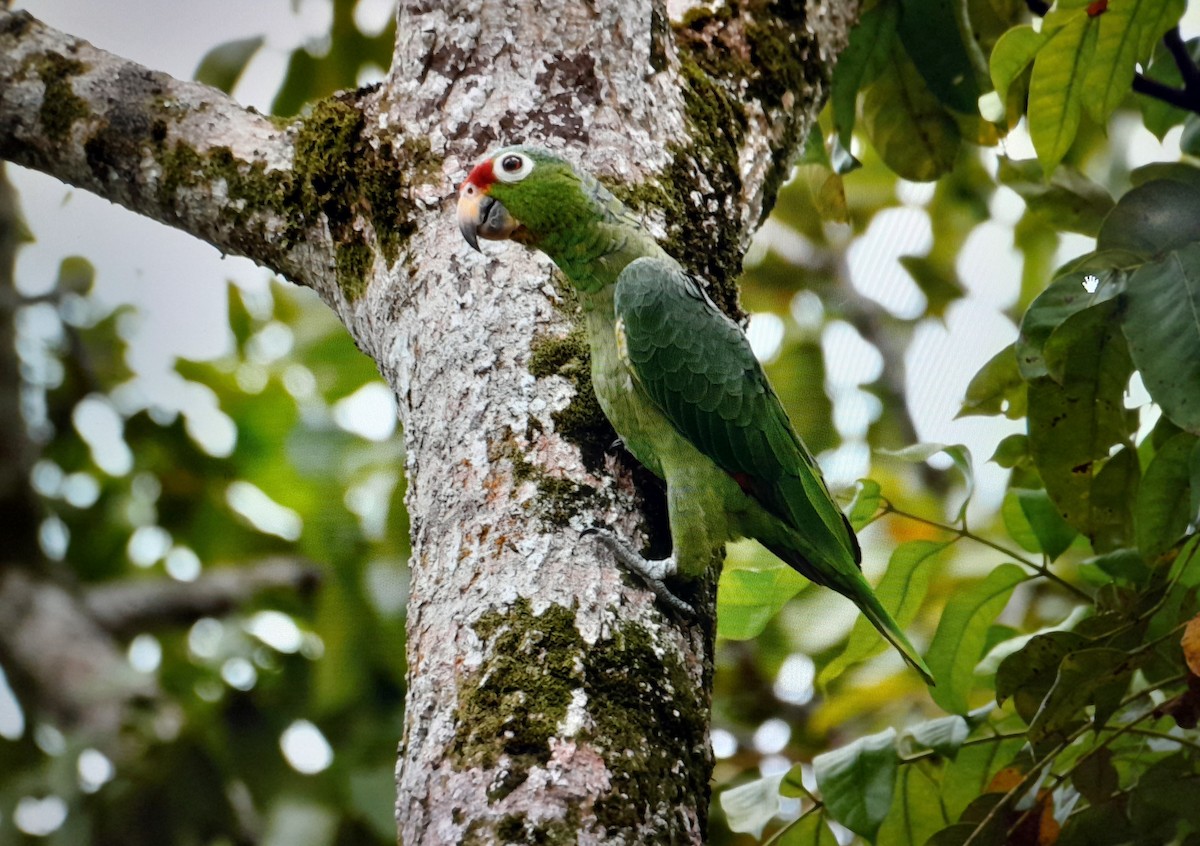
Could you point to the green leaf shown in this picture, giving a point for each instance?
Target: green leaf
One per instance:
(1126, 33)
(945, 735)
(1069, 201)
(1011, 451)
(867, 54)
(222, 66)
(1189, 141)
(997, 388)
(1153, 218)
(810, 830)
(1034, 523)
(749, 807)
(917, 812)
(866, 503)
(1028, 674)
(792, 785)
(1096, 677)
(959, 454)
(1012, 54)
(940, 286)
(962, 635)
(969, 774)
(1158, 116)
(1164, 500)
(1067, 295)
(901, 591)
(748, 599)
(1074, 425)
(1055, 89)
(1162, 323)
(932, 38)
(857, 780)
(907, 125)
(1095, 777)
(1124, 564)
(1174, 171)
(999, 651)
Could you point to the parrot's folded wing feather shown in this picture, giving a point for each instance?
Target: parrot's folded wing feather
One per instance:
(697, 367)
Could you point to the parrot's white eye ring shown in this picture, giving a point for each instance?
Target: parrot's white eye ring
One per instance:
(513, 167)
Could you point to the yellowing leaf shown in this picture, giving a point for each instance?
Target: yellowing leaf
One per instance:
(908, 126)
(1056, 87)
(1191, 645)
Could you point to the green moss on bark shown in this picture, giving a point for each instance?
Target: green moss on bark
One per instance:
(647, 719)
(582, 421)
(512, 705)
(61, 106)
(557, 499)
(651, 725)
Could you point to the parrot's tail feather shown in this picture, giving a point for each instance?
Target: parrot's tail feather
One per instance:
(891, 632)
(849, 582)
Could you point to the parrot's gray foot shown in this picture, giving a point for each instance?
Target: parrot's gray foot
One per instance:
(652, 572)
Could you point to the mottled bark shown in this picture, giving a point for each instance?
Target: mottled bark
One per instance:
(549, 697)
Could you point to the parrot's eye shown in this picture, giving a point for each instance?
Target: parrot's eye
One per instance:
(513, 167)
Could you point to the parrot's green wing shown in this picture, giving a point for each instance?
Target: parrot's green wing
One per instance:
(697, 366)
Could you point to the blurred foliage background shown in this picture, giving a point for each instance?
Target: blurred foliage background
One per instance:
(275, 696)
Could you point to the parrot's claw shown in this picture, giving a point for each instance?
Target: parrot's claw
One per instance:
(652, 572)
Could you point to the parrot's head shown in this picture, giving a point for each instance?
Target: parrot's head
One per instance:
(523, 194)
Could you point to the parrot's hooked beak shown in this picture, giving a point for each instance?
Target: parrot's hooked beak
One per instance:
(482, 216)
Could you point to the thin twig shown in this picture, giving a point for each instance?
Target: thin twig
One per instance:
(1041, 569)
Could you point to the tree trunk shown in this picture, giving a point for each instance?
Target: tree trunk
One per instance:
(549, 697)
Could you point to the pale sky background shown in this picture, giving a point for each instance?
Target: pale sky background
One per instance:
(179, 282)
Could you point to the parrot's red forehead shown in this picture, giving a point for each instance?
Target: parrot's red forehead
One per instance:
(482, 174)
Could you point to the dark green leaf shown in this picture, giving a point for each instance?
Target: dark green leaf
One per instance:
(1074, 425)
(857, 780)
(1028, 674)
(962, 634)
(1189, 141)
(1098, 825)
(1066, 296)
(932, 37)
(868, 52)
(1095, 777)
(222, 66)
(1156, 114)
(1125, 564)
(901, 591)
(1164, 498)
(997, 388)
(1153, 218)
(1053, 533)
(1162, 323)
(1165, 793)
(1088, 677)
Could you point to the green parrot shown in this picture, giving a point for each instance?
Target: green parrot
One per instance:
(679, 382)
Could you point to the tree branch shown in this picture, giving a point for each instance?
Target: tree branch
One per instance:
(132, 605)
(179, 152)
